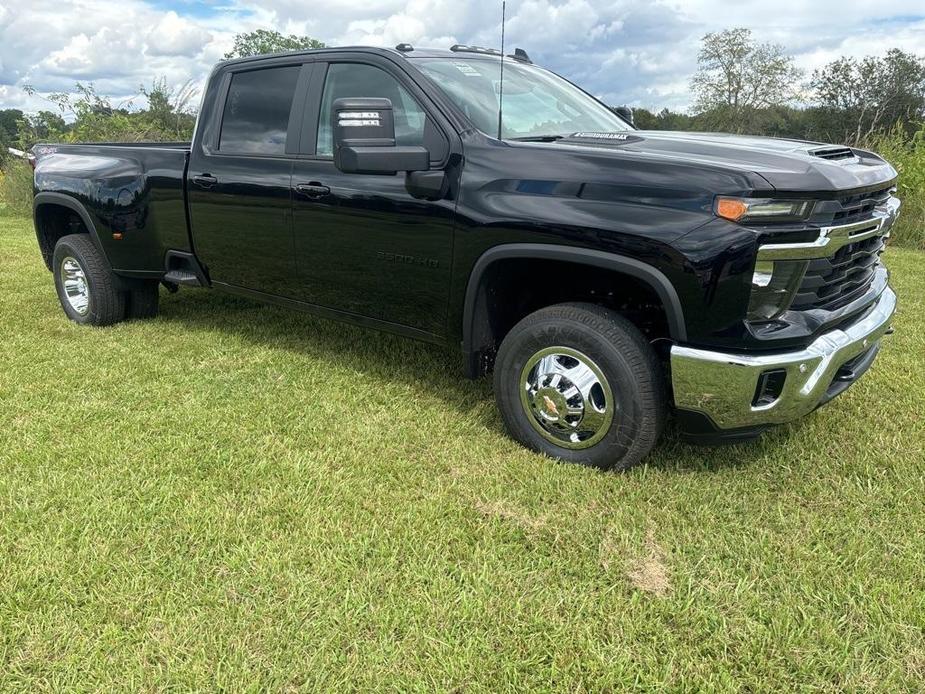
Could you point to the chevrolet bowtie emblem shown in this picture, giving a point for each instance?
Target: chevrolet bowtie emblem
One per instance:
(550, 405)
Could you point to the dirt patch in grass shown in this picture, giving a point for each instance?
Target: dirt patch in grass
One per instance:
(915, 664)
(504, 511)
(650, 572)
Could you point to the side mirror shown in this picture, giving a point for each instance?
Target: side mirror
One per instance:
(625, 112)
(364, 139)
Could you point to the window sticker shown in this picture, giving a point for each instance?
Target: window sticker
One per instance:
(467, 70)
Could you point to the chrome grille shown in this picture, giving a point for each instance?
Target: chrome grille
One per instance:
(860, 206)
(833, 282)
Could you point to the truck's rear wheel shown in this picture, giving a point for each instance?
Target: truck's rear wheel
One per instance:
(580, 383)
(85, 283)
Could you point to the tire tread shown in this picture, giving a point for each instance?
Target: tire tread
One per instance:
(107, 303)
(629, 342)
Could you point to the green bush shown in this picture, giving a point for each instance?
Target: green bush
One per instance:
(15, 188)
(908, 157)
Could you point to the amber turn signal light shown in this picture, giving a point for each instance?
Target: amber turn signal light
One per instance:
(731, 208)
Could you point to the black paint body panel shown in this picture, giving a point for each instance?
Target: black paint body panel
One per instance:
(135, 190)
(370, 252)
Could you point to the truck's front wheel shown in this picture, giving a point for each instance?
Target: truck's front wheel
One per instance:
(85, 284)
(580, 383)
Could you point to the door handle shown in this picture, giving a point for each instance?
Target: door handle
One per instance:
(313, 190)
(205, 180)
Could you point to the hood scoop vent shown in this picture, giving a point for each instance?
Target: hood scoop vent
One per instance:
(833, 153)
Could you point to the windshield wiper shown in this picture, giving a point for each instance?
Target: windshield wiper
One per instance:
(538, 138)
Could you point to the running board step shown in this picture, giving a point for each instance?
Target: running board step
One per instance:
(183, 277)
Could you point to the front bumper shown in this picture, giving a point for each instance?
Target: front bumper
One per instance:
(724, 387)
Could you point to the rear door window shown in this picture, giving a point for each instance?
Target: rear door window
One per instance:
(256, 115)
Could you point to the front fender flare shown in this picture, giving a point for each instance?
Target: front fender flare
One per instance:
(582, 256)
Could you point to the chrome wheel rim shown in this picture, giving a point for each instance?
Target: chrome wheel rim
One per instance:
(566, 397)
(76, 289)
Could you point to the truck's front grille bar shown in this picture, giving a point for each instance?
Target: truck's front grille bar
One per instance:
(833, 238)
(830, 283)
(840, 265)
(858, 207)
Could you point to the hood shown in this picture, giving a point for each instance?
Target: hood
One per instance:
(787, 165)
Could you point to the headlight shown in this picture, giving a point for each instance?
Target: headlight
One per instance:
(762, 210)
(773, 285)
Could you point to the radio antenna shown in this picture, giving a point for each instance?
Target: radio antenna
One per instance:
(501, 85)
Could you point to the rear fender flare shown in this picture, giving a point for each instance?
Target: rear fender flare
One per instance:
(62, 200)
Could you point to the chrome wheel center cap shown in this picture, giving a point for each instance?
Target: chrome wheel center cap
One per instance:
(566, 397)
(75, 286)
(549, 404)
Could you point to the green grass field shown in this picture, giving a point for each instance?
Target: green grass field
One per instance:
(242, 497)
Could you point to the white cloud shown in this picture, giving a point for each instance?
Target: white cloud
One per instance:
(385, 32)
(89, 57)
(175, 36)
(570, 22)
(624, 51)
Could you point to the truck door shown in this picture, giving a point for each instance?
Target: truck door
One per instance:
(240, 178)
(364, 245)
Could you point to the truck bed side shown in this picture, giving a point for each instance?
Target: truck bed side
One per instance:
(129, 197)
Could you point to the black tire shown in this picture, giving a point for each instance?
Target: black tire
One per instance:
(617, 349)
(144, 301)
(106, 304)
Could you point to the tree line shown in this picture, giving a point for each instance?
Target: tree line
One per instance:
(744, 86)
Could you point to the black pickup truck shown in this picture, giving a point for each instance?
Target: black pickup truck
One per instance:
(607, 276)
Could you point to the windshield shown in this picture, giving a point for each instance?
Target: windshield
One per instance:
(537, 103)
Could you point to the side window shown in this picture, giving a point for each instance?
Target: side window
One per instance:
(256, 115)
(357, 80)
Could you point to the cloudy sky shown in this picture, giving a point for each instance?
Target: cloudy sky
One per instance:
(631, 52)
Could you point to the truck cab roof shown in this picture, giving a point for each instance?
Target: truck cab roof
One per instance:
(403, 50)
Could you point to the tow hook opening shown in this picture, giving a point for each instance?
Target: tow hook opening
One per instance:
(769, 388)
